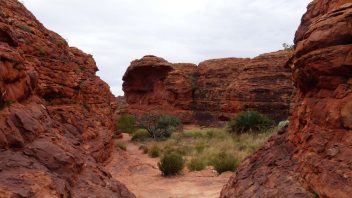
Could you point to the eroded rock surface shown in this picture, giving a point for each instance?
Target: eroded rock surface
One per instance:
(312, 157)
(55, 114)
(215, 90)
(232, 85)
(153, 84)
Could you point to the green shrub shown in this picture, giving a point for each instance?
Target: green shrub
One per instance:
(197, 164)
(140, 135)
(223, 162)
(126, 123)
(249, 121)
(158, 126)
(121, 145)
(154, 151)
(171, 164)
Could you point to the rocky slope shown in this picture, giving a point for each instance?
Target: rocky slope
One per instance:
(55, 114)
(312, 158)
(215, 90)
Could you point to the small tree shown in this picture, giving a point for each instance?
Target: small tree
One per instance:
(126, 123)
(158, 126)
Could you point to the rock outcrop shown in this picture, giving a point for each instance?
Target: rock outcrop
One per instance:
(228, 86)
(56, 118)
(215, 90)
(153, 84)
(312, 158)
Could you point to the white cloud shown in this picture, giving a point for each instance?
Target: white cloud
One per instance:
(119, 31)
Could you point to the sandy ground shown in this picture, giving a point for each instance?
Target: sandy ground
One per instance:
(141, 175)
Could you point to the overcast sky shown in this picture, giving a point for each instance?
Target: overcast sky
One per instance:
(116, 32)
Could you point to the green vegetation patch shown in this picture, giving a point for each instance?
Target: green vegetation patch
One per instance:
(126, 123)
(249, 121)
(223, 162)
(197, 164)
(171, 164)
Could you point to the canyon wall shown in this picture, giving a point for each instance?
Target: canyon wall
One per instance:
(153, 84)
(56, 115)
(215, 90)
(312, 158)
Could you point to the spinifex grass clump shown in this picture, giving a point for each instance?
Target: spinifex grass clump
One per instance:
(249, 121)
(140, 135)
(171, 164)
(154, 151)
(197, 164)
(223, 162)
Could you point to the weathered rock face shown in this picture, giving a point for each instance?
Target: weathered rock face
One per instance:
(216, 89)
(232, 85)
(312, 157)
(55, 114)
(153, 84)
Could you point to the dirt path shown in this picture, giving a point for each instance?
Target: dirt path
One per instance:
(141, 175)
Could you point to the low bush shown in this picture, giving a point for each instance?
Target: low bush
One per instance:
(126, 123)
(140, 135)
(159, 126)
(197, 164)
(223, 162)
(171, 164)
(249, 121)
(154, 151)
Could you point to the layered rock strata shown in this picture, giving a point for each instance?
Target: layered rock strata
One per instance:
(215, 90)
(312, 157)
(56, 115)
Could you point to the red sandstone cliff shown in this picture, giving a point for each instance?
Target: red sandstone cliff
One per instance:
(313, 157)
(228, 86)
(55, 114)
(153, 84)
(215, 90)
